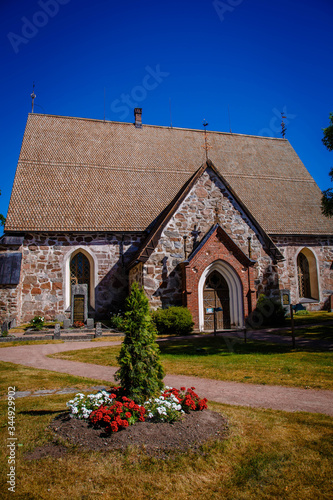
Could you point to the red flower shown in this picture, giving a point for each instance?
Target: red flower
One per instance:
(114, 426)
(183, 389)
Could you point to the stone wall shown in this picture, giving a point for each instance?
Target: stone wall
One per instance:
(195, 216)
(322, 248)
(9, 302)
(10, 296)
(45, 273)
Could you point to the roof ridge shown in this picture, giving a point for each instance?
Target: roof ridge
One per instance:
(160, 126)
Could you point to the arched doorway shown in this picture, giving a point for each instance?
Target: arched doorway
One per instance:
(234, 313)
(307, 275)
(216, 295)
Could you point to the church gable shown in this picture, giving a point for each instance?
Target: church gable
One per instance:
(206, 202)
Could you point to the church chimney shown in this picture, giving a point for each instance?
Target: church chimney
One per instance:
(138, 117)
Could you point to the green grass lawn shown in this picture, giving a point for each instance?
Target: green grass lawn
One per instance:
(268, 455)
(209, 357)
(13, 343)
(24, 378)
(313, 318)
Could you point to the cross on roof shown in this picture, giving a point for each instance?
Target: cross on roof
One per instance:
(206, 146)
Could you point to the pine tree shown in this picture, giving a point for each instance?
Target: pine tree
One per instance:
(140, 372)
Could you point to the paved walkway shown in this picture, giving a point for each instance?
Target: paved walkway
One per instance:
(233, 393)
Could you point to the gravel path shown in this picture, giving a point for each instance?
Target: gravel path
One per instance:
(233, 393)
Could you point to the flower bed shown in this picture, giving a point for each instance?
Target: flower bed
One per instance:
(113, 411)
(78, 324)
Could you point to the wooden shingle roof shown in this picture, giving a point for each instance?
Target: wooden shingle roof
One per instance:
(77, 174)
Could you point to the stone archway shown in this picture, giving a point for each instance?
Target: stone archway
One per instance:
(229, 292)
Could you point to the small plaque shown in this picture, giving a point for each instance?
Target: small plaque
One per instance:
(285, 299)
(209, 310)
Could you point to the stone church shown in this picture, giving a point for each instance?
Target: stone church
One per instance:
(200, 219)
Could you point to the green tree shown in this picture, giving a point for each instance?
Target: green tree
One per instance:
(140, 373)
(327, 198)
(2, 218)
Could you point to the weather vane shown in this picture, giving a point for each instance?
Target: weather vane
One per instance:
(33, 97)
(206, 146)
(283, 125)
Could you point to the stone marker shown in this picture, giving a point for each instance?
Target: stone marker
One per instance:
(98, 330)
(90, 323)
(67, 323)
(56, 334)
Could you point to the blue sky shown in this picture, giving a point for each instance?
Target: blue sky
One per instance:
(258, 57)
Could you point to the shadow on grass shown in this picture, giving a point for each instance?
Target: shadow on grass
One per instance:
(40, 413)
(227, 347)
(315, 332)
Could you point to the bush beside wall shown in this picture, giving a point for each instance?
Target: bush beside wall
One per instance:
(173, 321)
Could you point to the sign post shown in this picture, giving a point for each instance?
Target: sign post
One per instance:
(292, 325)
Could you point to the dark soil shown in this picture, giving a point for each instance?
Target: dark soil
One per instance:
(153, 439)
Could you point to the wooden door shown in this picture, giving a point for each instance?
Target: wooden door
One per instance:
(216, 295)
(78, 314)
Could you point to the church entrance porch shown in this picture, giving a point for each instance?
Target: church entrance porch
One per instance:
(218, 275)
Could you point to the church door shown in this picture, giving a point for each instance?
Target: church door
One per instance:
(216, 295)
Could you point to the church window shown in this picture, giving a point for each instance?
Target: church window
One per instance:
(80, 270)
(307, 275)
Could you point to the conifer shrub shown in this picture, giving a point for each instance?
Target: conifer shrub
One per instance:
(141, 372)
(173, 321)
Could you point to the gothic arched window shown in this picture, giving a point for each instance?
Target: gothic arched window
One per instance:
(304, 285)
(80, 270)
(307, 275)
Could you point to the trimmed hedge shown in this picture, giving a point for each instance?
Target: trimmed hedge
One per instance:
(173, 321)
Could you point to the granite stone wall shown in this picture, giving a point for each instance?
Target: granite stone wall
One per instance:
(322, 248)
(44, 287)
(9, 302)
(208, 202)
(45, 280)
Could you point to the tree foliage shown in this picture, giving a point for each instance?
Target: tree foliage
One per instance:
(328, 135)
(140, 372)
(327, 198)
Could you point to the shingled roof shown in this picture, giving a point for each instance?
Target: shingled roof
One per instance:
(77, 174)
